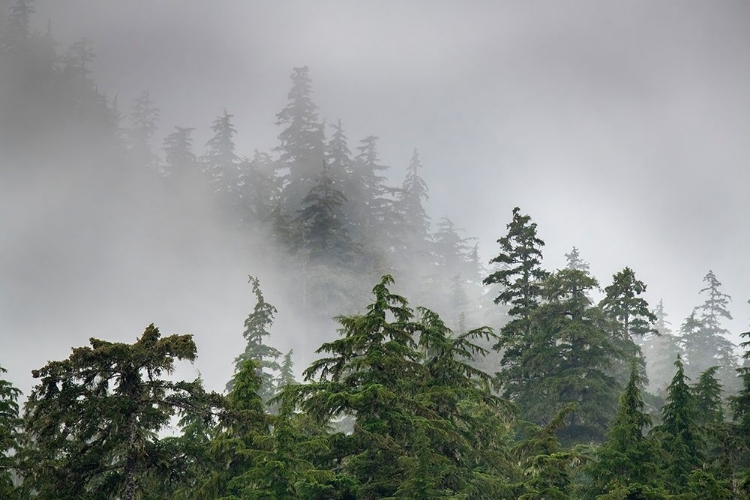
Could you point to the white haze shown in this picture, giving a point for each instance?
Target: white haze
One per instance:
(621, 128)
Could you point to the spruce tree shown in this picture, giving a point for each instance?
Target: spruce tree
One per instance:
(710, 347)
(10, 424)
(679, 432)
(575, 262)
(623, 303)
(302, 142)
(93, 421)
(220, 161)
(627, 462)
(257, 326)
(660, 348)
(520, 278)
(180, 161)
(259, 191)
(144, 117)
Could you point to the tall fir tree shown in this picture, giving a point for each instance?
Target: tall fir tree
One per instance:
(679, 432)
(627, 462)
(575, 262)
(144, 118)
(94, 419)
(660, 348)
(220, 161)
(10, 424)
(302, 141)
(257, 330)
(181, 163)
(520, 277)
(711, 346)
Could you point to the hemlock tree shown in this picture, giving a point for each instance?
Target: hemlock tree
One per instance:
(144, 118)
(407, 401)
(520, 277)
(631, 319)
(10, 424)
(627, 462)
(180, 162)
(679, 433)
(712, 347)
(220, 161)
(575, 262)
(257, 325)
(566, 359)
(740, 406)
(302, 142)
(660, 348)
(94, 418)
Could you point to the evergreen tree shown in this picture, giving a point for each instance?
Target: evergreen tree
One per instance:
(566, 359)
(627, 462)
(259, 191)
(623, 303)
(339, 158)
(257, 325)
(740, 406)
(707, 392)
(94, 418)
(181, 162)
(322, 220)
(10, 424)
(575, 262)
(144, 117)
(410, 201)
(286, 371)
(302, 142)
(679, 433)
(220, 161)
(16, 28)
(659, 349)
(710, 346)
(520, 277)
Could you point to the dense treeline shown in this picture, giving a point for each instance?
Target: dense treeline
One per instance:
(562, 397)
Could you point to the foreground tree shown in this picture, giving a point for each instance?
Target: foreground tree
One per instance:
(414, 405)
(9, 436)
(94, 418)
(627, 462)
(679, 433)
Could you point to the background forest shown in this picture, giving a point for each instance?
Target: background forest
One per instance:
(399, 363)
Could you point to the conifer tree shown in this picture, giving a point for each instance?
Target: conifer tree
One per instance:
(520, 277)
(740, 406)
(144, 117)
(413, 194)
(220, 161)
(257, 325)
(323, 222)
(93, 420)
(339, 158)
(679, 433)
(286, 371)
(10, 424)
(575, 262)
(181, 162)
(259, 190)
(627, 462)
(566, 359)
(660, 348)
(302, 142)
(623, 303)
(709, 346)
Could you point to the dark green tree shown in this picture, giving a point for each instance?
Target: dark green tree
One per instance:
(10, 424)
(520, 278)
(265, 357)
(623, 302)
(93, 420)
(679, 433)
(627, 463)
(566, 359)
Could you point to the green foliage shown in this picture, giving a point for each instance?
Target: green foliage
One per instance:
(94, 418)
(627, 461)
(257, 326)
(679, 433)
(10, 424)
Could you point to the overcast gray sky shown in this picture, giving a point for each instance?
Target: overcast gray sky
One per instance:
(620, 127)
